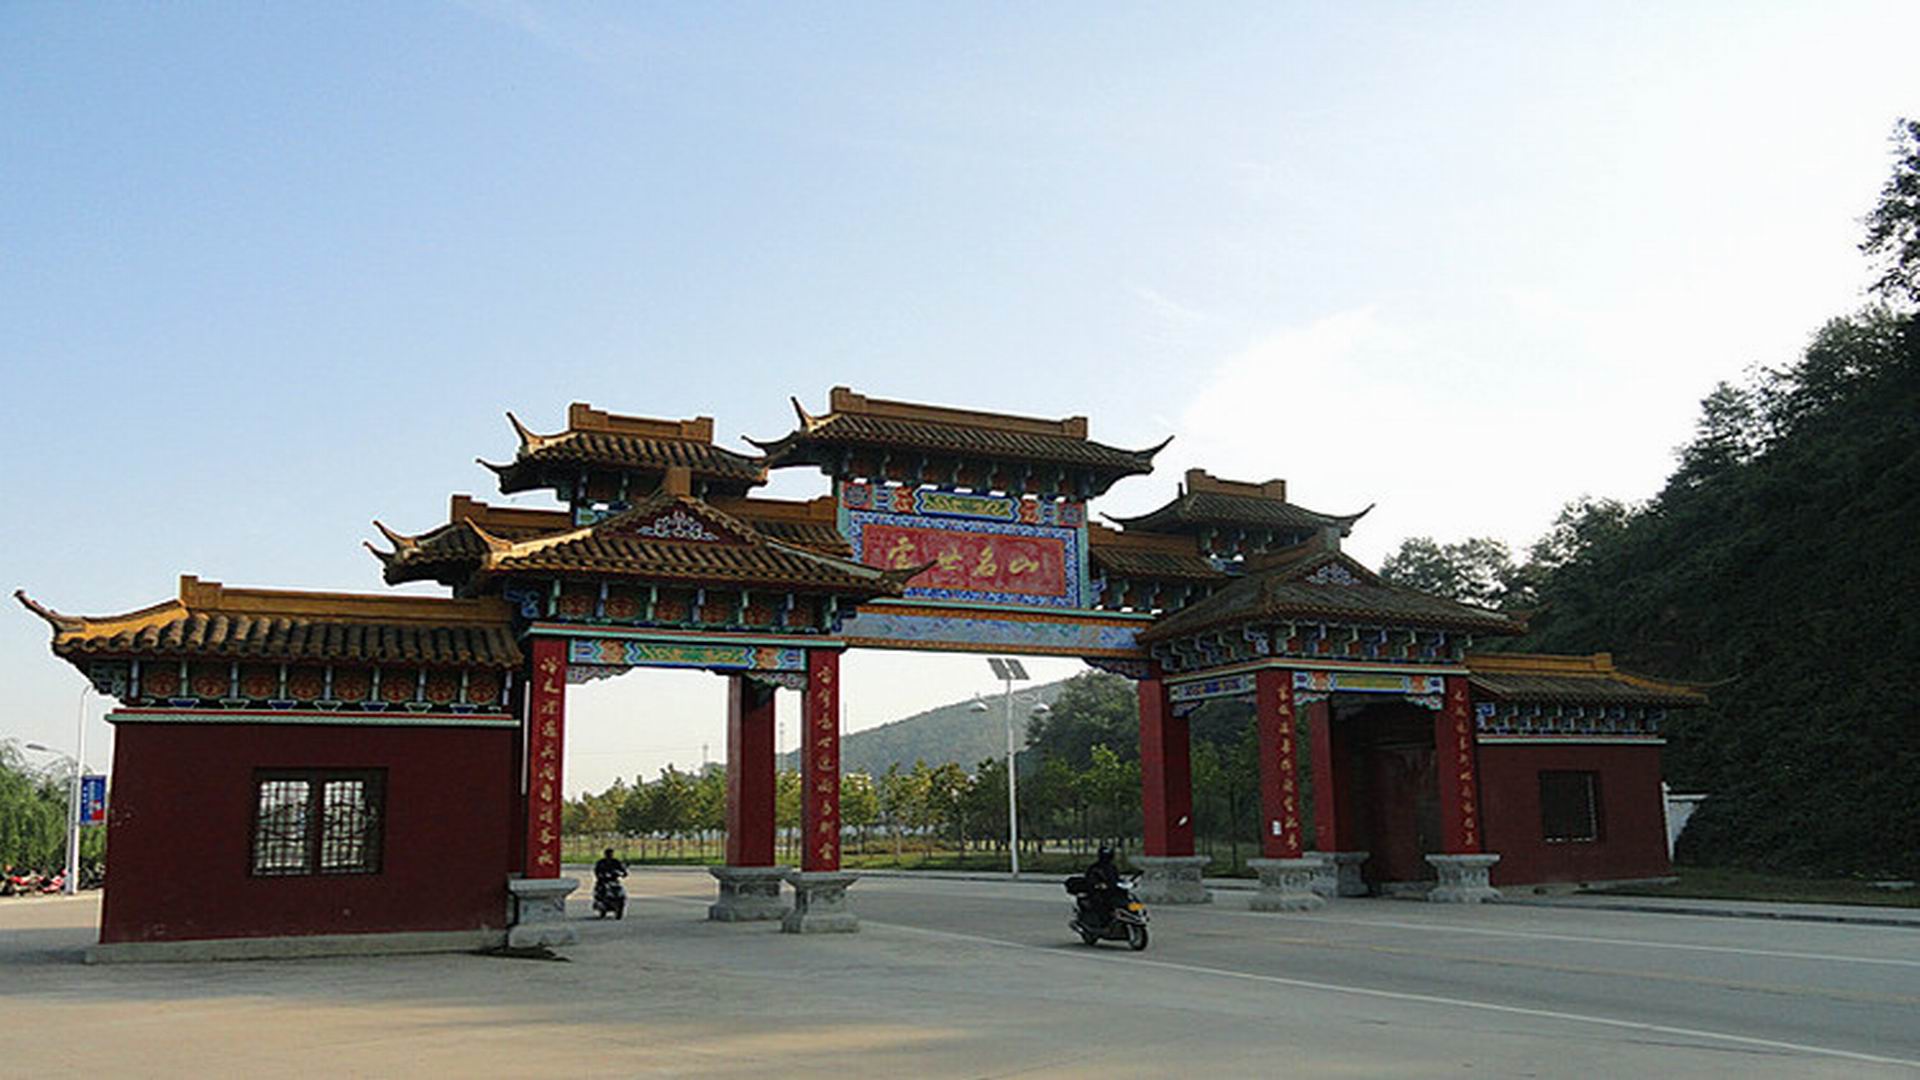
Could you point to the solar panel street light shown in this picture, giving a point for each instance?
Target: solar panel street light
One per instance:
(1010, 671)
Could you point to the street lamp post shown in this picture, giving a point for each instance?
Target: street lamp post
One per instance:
(73, 797)
(72, 885)
(1009, 671)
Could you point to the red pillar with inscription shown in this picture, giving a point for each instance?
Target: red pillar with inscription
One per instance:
(1329, 833)
(546, 725)
(750, 772)
(1454, 745)
(1166, 773)
(820, 763)
(1280, 833)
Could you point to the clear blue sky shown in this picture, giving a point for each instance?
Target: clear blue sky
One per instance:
(268, 271)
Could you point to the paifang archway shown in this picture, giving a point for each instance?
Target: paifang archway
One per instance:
(943, 529)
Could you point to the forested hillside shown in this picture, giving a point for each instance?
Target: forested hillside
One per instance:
(948, 733)
(1780, 568)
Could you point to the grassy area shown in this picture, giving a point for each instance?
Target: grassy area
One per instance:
(1721, 883)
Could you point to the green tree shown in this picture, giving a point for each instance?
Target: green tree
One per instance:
(634, 817)
(895, 792)
(1728, 434)
(985, 806)
(33, 814)
(1111, 787)
(1050, 801)
(1474, 571)
(1893, 228)
(786, 807)
(947, 802)
(675, 811)
(1094, 708)
(859, 804)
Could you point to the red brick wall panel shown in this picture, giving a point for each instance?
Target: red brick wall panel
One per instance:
(1633, 831)
(180, 830)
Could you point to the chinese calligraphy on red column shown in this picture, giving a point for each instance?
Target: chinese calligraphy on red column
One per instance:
(820, 763)
(1279, 768)
(546, 717)
(1460, 789)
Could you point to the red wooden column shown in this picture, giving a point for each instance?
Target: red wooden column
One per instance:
(1166, 772)
(750, 772)
(546, 724)
(1454, 744)
(820, 764)
(1328, 832)
(1279, 768)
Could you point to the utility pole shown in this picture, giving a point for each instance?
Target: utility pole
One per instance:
(1009, 671)
(73, 798)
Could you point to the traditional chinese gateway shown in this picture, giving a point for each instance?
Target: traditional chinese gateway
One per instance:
(303, 772)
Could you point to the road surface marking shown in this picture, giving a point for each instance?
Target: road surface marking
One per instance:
(1425, 999)
(1490, 932)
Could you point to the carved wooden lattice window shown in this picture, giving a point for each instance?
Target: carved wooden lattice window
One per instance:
(318, 821)
(1570, 807)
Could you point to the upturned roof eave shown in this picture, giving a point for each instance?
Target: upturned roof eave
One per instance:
(805, 446)
(1194, 620)
(1175, 516)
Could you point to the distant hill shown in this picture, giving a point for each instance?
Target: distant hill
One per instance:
(948, 733)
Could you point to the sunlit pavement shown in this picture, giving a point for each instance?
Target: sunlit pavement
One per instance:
(963, 978)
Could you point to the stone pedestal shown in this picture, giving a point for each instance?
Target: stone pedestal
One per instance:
(1343, 872)
(820, 903)
(539, 913)
(748, 893)
(1326, 882)
(1171, 879)
(1462, 879)
(1286, 885)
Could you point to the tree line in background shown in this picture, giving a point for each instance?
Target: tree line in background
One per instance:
(1778, 567)
(33, 817)
(1079, 788)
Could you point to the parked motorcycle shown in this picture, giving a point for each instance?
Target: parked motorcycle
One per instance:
(609, 898)
(1128, 921)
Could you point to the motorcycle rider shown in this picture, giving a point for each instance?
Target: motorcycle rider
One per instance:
(1103, 886)
(608, 868)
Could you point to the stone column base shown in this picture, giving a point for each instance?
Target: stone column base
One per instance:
(820, 903)
(1326, 881)
(748, 893)
(1171, 879)
(539, 913)
(1463, 879)
(1286, 884)
(1343, 873)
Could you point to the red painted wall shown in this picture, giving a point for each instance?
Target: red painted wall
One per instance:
(180, 830)
(1633, 830)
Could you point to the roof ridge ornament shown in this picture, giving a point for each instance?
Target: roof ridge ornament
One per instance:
(529, 441)
(60, 623)
(400, 543)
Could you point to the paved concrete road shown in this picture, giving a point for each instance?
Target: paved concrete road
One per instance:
(983, 979)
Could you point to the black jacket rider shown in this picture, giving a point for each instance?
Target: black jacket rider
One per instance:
(609, 868)
(1103, 886)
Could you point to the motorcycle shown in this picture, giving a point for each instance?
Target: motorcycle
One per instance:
(1128, 921)
(609, 898)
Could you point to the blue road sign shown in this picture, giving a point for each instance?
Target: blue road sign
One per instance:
(93, 800)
